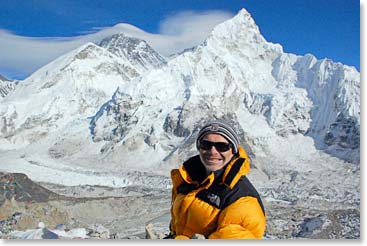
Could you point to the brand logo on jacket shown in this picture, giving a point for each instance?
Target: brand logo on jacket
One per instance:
(214, 199)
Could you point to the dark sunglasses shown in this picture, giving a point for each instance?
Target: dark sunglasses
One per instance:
(220, 146)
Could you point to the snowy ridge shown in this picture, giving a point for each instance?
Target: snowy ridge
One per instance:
(335, 91)
(73, 85)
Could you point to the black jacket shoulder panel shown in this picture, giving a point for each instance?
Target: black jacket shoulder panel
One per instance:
(245, 188)
(220, 196)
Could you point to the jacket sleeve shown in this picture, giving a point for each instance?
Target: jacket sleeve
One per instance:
(176, 181)
(243, 219)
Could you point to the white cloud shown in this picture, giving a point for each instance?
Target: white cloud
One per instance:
(188, 21)
(20, 56)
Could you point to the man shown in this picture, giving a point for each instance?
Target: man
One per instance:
(211, 194)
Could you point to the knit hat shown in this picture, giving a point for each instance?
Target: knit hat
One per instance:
(222, 128)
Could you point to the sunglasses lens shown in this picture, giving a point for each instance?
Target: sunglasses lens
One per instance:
(205, 145)
(221, 147)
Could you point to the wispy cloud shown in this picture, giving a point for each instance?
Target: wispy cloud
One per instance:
(20, 56)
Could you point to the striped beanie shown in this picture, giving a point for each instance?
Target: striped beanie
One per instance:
(222, 128)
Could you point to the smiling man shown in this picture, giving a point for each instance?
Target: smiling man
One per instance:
(211, 194)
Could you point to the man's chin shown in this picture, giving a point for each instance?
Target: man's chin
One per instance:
(213, 167)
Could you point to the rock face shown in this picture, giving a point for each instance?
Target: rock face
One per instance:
(117, 114)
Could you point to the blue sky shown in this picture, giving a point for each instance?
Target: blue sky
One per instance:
(34, 32)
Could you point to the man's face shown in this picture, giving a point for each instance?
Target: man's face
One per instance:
(212, 158)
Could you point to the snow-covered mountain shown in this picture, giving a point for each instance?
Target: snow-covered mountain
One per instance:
(110, 114)
(70, 87)
(137, 51)
(6, 86)
(237, 72)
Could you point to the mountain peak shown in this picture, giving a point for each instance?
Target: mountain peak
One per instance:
(242, 21)
(121, 38)
(137, 51)
(244, 17)
(242, 31)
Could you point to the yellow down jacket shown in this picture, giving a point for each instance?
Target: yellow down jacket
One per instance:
(223, 204)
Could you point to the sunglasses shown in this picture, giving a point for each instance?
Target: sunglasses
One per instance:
(220, 146)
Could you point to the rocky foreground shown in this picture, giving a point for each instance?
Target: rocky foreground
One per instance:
(25, 204)
(30, 211)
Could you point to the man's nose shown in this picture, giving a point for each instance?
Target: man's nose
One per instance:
(213, 150)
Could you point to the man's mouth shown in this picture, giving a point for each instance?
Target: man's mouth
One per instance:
(213, 160)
